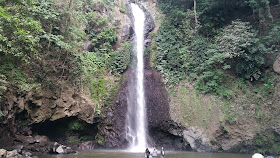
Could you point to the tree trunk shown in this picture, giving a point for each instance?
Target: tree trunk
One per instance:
(269, 11)
(194, 10)
(70, 4)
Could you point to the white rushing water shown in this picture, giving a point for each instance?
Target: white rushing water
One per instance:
(136, 117)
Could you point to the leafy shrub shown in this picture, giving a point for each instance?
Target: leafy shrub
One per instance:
(76, 126)
(272, 39)
(210, 81)
(239, 44)
(153, 54)
(19, 31)
(98, 89)
(119, 60)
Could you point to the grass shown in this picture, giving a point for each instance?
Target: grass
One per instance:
(194, 109)
(242, 100)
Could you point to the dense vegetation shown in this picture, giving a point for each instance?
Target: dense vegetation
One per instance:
(224, 49)
(42, 47)
(215, 41)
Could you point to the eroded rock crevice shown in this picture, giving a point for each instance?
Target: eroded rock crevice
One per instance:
(66, 130)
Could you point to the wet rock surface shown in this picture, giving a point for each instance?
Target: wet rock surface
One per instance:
(89, 145)
(61, 149)
(149, 21)
(197, 140)
(15, 154)
(162, 129)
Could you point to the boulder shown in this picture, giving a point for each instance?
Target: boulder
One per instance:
(89, 145)
(26, 154)
(42, 139)
(18, 148)
(62, 149)
(197, 140)
(276, 65)
(12, 154)
(32, 140)
(3, 153)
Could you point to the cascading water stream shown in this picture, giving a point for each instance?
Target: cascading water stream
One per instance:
(136, 117)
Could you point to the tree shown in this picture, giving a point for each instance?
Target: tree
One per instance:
(195, 15)
(262, 8)
(241, 47)
(19, 31)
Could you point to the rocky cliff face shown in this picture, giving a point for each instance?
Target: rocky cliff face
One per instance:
(183, 120)
(21, 110)
(178, 119)
(160, 124)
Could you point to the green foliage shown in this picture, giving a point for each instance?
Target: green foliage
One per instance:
(210, 81)
(171, 49)
(73, 140)
(98, 89)
(101, 34)
(100, 139)
(19, 31)
(153, 54)
(3, 82)
(49, 35)
(239, 44)
(120, 59)
(272, 39)
(3, 88)
(266, 143)
(262, 8)
(76, 126)
(122, 9)
(11, 73)
(182, 52)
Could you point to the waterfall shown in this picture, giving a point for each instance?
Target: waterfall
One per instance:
(136, 115)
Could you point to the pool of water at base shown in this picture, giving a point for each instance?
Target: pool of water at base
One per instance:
(125, 154)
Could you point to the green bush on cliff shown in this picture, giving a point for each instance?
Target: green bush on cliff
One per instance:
(241, 46)
(76, 126)
(3, 88)
(98, 89)
(19, 30)
(183, 52)
(50, 38)
(119, 60)
(266, 142)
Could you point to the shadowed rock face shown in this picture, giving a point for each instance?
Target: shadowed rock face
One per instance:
(112, 128)
(48, 106)
(162, 130)
(21, 110)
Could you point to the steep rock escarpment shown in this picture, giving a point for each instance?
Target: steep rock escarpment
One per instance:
(161, 129)
(22, 110)
(27, 113)
(182, 119)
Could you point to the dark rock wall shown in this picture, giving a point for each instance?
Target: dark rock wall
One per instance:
(160, 125)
